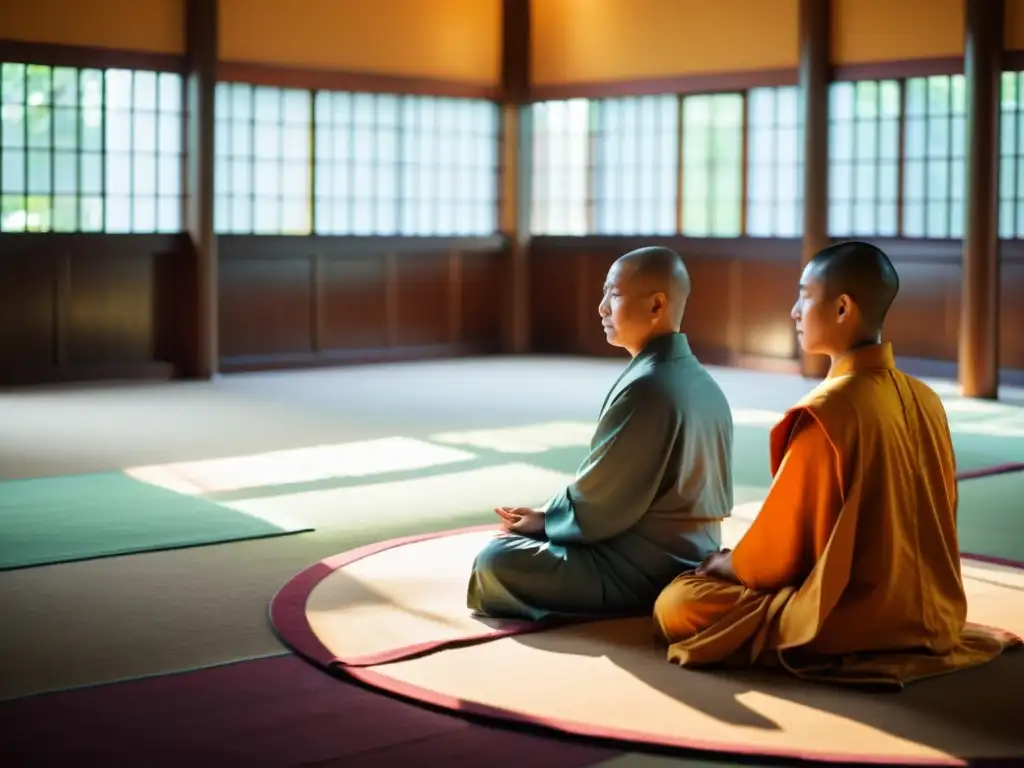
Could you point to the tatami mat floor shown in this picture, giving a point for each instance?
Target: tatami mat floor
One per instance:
(92, 622)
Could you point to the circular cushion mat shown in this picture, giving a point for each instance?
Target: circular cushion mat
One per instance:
(393, 616)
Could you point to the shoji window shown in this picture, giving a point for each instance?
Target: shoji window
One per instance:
(89, 150)
(1011, 156)
(934, 159)
(712, 165)
(864, 151)
(264, 160)
(635, 165)
(561, 165)
(774, 163)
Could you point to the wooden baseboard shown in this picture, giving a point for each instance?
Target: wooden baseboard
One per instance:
(339, 357)
(14, 376)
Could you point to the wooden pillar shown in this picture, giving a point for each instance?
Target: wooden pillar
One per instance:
(201, 44)
(814, 75)
(979, 318)
(516, 166)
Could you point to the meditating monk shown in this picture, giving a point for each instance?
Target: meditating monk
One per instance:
(851, 570)
(648, 502)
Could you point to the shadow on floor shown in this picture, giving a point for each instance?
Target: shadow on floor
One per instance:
(983, 702)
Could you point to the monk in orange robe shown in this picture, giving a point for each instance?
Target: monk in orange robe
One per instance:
(851, 570)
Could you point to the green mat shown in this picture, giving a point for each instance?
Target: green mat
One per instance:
(992, 516)
(81, 517)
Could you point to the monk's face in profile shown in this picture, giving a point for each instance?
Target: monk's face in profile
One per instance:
(630, 311)
(822, 321)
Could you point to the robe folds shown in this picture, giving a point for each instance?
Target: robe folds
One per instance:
(646, 504)
(851, 570)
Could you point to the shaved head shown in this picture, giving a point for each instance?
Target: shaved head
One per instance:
(644, 296)
(660, 270)
(862, 272)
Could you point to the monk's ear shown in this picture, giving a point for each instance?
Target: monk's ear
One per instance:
(659, 303)
(844, 308)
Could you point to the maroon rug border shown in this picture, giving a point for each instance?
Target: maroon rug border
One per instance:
(288, 617)
(415, 693)
(998, 469)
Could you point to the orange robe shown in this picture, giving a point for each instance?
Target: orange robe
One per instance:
(851, 570)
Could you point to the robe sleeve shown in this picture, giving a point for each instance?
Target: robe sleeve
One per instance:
(796, 521)
(621, 477)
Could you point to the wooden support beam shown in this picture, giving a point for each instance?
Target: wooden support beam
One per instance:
(979, 306)
(813, 76)
(201, 52)
(516, 166)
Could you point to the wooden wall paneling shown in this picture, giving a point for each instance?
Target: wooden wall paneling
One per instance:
(454, 297)
(582, 336)
(483, 299)
(288, 301)
(924, 319)
(83, 306)
(553, 302)
(29, 311)
(175, 304)
(391, 299)
(1011, 308)
(919, 321)
(732, 308)
(424, 299)
(355, 302)
(742, 292)
(316, 308)
(265, 301)
(708, 321)
(61, 307)
(767, 292)
(111, 308)
(265, 307)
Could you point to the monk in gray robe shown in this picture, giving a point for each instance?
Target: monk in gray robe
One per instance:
(648, 502)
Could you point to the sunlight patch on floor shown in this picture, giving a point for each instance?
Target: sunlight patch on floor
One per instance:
(420, 499)
(532, 438)
(356, 459)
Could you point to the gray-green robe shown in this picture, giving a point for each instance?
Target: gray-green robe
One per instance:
(645, 506)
